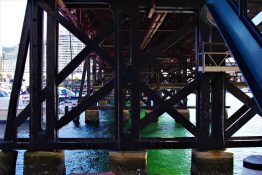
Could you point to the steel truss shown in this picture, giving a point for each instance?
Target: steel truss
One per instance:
(209, 87)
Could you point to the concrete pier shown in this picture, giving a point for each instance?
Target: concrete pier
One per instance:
(42, 162)
(129, 162)
(126, 115)
(211, 162)
(185, 113)
(91, 116)
(8, 162)
(102, 103)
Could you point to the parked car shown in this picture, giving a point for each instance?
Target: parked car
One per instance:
(65, 94)
(4, 99)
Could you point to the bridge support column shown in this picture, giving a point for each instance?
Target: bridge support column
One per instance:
(43, 162)
(91, 116)
(211, 162)
(185, 113)
(129, 162)
(8, 162)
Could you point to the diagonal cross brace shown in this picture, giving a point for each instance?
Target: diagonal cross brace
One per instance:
(84, 104)
(97, 49)
(60, 77)
(171, 102)
(241, 122)
(74, 63)
(169, 109)
(19, 71)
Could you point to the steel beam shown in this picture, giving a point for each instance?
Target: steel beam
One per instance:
(119, 103)
(240, 95)
(134, 55)
(177, 36)
(86, 62)
(51, 71)
(85, 103)
(64, 73)
(241, 122)
(144, 4)
(203, 114)
(184, 92)
(169, 109)
(232, 119)
(246, 54)
(218, 109)
(36, 45)
(10, 131)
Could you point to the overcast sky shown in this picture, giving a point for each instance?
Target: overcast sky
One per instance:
(11, 20)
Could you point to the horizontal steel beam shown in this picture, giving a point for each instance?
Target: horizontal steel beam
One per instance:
(145, 143)
(143, 4)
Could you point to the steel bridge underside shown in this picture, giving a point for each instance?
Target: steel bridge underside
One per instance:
(141, 49)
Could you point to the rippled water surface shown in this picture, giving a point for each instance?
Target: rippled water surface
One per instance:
(159, 162)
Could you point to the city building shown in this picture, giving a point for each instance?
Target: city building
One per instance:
(69, 46)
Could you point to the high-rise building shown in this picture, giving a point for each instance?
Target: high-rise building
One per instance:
(1, 56)
(68, 47)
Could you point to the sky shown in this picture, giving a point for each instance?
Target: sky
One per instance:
(11, 21)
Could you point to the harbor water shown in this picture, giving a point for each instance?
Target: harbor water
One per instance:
(159, 162)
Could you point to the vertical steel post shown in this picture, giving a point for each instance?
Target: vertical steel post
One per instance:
(118, 77)
(135, 92)
(218, 109)
(51, 71)
(88, 74)
(197, 47)
(76, 120)
(36, 45)
(242, 8)
(203, 114)
(94, 73)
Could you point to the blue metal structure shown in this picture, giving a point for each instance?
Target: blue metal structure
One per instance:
(243, 40)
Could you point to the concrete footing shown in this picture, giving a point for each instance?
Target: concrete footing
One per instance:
(211, 162)
(185, 113)
(126, 115)
(102, 103)
(42, 162)
(8, 162)
(91, 116)
(128, 162)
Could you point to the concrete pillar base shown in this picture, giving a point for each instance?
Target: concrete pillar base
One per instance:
(128, 162)
(43, 162)
(102, 103)
(148, 111)
(126, 115)
(8, 162)
(185, 113)
(91, 116)
(211, 162)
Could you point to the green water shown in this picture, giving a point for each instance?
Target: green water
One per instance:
(167, 161)
(178, 162)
